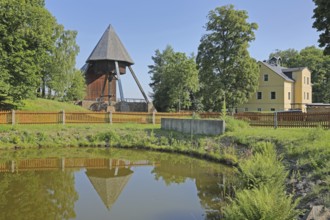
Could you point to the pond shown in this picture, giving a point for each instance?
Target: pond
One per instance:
(111, 184)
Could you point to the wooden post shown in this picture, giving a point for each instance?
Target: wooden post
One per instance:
(154, 117)
(63, 163)
(13, 166)
(275, 120)
(110, 117)
(110, 164)
(13, 117)
(63, 117)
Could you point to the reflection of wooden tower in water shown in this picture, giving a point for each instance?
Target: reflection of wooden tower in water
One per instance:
(103, 68)
(109, 183)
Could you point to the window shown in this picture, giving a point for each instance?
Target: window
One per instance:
(288, 74)
(259, 95)
(259, 109)
(307, 95)
(272, 109)
(265, 77)
(273, 95)
(304, 95)
(289, 95)
(246, 109)
(307, 80)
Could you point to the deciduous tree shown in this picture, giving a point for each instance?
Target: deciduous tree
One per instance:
(60, 71)
(26, 29)
(288, 56)
(322, 23)
(174, 79)
(35, 50)
(226, 70)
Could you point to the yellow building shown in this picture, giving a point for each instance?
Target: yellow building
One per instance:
(280, 88)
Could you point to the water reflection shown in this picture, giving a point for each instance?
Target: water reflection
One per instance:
(37, 194)
(213, 185)
(154, 185)
(109, 183)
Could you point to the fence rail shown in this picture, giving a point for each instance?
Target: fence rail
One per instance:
(276, 119)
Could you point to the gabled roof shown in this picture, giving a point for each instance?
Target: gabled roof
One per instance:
(293, 69)
(279, 70)
(110, 47)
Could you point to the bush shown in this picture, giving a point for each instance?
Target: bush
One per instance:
(262, 203)
(234, 124)
(263, 168)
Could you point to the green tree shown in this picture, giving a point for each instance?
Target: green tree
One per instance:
(77, 87)
(26, 30)
(322, 23)
(226, 70)
(61, 72)
(174, 79)
(288, 56)
(319, 65)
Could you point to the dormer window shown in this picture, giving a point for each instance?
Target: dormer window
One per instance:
(265, 77)
(275, 61)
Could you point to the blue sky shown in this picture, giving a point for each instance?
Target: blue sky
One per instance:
(147, 25)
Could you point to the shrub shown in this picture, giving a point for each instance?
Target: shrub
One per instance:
(108, 137)
(262, 203)
(263, 168)
(234, 124)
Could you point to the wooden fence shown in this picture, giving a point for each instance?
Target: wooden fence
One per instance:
(65, 163)
(276, 119)
(286, 119)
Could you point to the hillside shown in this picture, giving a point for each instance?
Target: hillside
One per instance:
(49, 106)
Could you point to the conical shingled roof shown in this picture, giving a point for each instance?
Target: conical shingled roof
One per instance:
(110, 47)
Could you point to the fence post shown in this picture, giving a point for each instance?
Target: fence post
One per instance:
(110, 117)
(63, 117)
(275, 120)
(154, 117)
(13, 117)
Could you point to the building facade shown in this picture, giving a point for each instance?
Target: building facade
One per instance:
(280, 88)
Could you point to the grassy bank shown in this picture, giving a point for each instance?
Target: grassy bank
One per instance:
(117, 135)
(47, 105)
(301, 156)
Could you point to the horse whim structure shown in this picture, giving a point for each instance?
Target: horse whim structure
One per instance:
(103, 68)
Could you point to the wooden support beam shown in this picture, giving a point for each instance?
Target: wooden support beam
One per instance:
(119, 82)
(138, 84)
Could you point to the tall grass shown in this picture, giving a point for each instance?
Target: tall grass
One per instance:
(263, 168)
(264, 203)
(262, 195)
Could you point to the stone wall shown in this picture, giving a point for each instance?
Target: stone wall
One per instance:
(191, 126)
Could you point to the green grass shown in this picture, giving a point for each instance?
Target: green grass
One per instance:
(49, 106)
